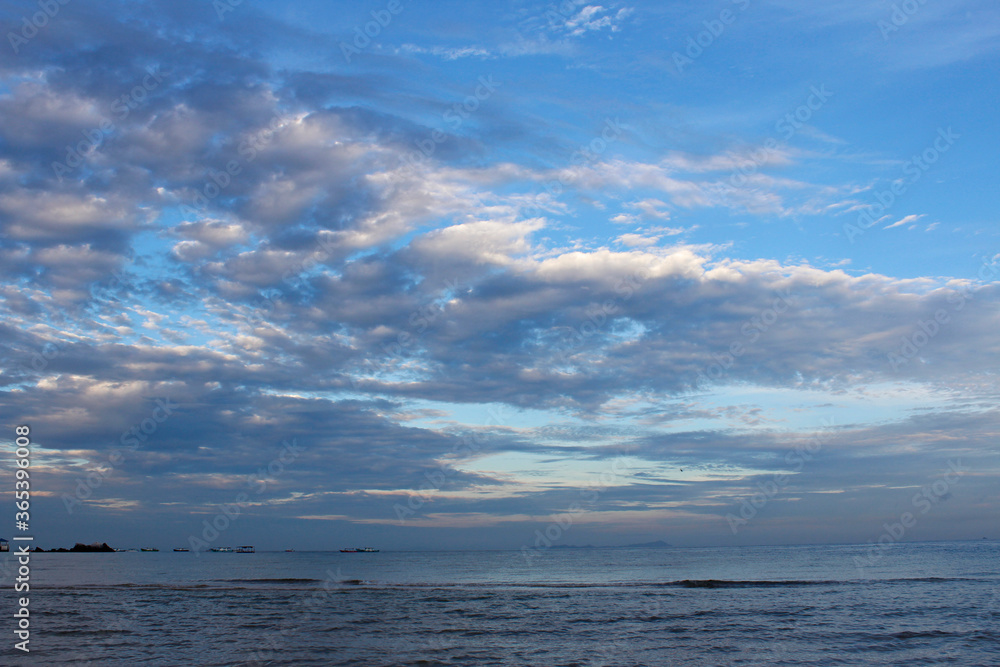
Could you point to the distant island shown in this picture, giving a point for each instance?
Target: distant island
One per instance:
(658, 544)
(79, 548)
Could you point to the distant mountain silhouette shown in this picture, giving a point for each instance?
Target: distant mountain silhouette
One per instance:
(658, 544)
(574, 546)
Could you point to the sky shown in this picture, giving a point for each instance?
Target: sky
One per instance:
(510, 275)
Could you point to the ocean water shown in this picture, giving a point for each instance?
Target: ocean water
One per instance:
(913, 604)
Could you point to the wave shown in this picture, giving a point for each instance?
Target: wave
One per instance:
(762, 583)
(681, 583)
(780, 583)
(285, 580)
(708, 584)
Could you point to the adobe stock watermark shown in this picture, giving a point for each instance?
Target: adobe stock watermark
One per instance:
(470, 445)
(130, 438)
(914, 342)
(803, 453)
(614, 654)
(320, 601)
(924, 500)
(984, 623)
(563, 14)
(364, 34)
(326, 245)
(454, 117)
(585, 155)
(104, 290)
(256, 483)
(562, 522)
(223, 7)
(48, 9)
(714, 28)
(787, 126)
(793, 121)
(925, 331)
(293, 279)
(912, 172)
(901, 14)
(39, 360)
(598, 315)
(751, 329)
(219, 180)
(419, 321)
(122, 106)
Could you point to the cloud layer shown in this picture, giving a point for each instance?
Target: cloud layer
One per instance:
(289, 253)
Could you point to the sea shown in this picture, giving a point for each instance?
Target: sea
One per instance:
(908, 604)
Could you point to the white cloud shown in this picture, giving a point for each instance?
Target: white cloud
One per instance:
(905, 221)
(650, 209)
(453, 53)
(637, 240)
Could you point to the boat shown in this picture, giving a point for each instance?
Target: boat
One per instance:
(148, 549)
(225, 550)
(365, 550)
(246, 549)
(181, 549)
(288, 551)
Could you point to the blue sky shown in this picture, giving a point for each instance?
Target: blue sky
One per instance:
(493, 268)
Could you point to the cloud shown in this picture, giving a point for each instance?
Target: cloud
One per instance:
(270, 249)
(590, 18)
(650, 209)
(448, 53)
(905, 221)
(637, 240)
